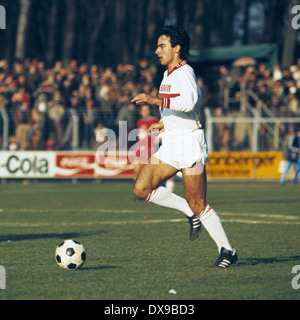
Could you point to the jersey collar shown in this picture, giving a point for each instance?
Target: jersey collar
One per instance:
(180, 64)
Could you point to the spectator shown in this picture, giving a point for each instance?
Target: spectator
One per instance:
(277, 74)
(107, 111)
(22, 121)
(41, 102)
(34, 133)
(264, 143)
(102, 89)
(10, 85)
(128, 113)
(262, 93)
(3, 101)
(19, 97)
(261, 71)
(13, 144)
(74, 109)
(293, 104)
(55, 113)
(51, 142)
(89, 122)
(226, 141)
(274, 104)
(292, 155)
(4, 66)
(218, 129)
(33, 76)
(66, 91)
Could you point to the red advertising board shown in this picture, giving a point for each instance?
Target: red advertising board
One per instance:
(74, 165)
(47, 165)
(91, 165)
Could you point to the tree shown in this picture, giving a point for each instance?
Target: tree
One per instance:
(246, 9)
(116, 31)
(290, 38)
(97, 30)
(155, 17)
(22, 26)
(69, 34)
(50, 54)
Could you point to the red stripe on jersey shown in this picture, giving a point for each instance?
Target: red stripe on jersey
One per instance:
(169, 95)
(166, 102)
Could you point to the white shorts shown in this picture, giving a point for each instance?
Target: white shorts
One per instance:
(183, 151)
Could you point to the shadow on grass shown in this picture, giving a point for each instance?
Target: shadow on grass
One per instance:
(60, 236)
(256, 261)
(98, 268)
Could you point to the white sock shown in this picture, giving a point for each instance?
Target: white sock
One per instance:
(170, 185)
(163, 197)
(212, 223)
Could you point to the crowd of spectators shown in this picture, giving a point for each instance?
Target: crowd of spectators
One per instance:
(277, 91)
(39, 101)
(272, 93)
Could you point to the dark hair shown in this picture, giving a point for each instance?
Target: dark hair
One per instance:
(178, 36)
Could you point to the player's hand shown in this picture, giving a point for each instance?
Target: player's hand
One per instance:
(155, 128)
(143, 98)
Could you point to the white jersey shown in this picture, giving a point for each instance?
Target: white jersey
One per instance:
(182, 99)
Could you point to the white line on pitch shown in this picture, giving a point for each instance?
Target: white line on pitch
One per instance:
(222, 214)
(124, 222)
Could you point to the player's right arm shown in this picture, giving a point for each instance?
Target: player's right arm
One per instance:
(143, 98)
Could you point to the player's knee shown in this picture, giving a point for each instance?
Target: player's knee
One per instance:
(140, 192)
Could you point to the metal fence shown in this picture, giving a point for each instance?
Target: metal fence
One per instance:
(241, 132)
(71, 132)
(249, 128)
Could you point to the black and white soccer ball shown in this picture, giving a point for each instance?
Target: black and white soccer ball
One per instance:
(70, 255)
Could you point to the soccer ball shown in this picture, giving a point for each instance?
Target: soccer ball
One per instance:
(70, 255)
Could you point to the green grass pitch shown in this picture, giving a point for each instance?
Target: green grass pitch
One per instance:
(139, 251)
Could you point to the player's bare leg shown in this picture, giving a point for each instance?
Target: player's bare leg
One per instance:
(151, 176)
(148, 187)
(195, 184)
(194, 180)
(137, 168)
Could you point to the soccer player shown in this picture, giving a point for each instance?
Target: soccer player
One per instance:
(184, 146)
